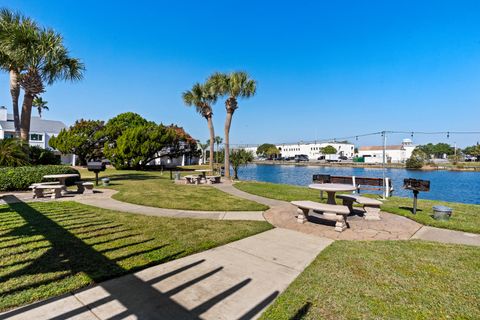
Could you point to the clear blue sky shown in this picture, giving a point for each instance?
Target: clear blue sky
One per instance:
(324, 68)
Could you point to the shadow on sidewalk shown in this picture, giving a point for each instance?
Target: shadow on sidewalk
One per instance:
(67, 255)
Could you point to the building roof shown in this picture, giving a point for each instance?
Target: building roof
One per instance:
(37, 124)
(380, 148)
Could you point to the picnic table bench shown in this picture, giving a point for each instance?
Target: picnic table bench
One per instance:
(371, 206)
(84, 187)
(193, 179)
(334, 212)
(361, 183)
(213, 179)
(38, 190)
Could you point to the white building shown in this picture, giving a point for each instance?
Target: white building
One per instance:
(41, 130)
(313, 150)
(393, 154)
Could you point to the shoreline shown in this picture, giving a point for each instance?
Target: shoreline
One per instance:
(368, 165)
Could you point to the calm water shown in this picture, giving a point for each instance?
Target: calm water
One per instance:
(444, 185)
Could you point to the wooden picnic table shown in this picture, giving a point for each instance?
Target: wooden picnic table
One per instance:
(331, 189)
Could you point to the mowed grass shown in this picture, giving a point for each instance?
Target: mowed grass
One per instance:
(385, 280)
(47, 249)
(155, 189)
(465, 217)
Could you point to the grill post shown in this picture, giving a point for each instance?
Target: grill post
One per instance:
(415, 196)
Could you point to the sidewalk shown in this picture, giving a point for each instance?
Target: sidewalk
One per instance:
(234, 281)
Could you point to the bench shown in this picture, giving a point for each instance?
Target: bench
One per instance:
(330, 211)
(213, 179)
(38, 190)
(361, 183)
(84, 187)
(193, 179)
(371, 206)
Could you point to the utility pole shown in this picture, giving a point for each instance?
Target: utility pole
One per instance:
(384, 135)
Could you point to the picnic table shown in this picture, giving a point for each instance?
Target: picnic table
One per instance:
(203, 173)
(62, 178)
(331, 189)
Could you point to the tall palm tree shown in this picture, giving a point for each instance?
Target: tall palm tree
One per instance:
(14, 25)
(46, 60)
(40, 104)
(234, 85)
(202, 97)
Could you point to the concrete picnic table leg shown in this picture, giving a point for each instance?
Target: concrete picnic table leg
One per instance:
(63, 182)
(331, 197)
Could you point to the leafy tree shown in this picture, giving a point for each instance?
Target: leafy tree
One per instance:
(13, 153)
(240, 157)
(437, 150)
(267, 150)
(83, 139)
(417, 159)
(473, 150)
(328, 150)
(14, 24)
(234, 85)
(139, 145)
(40, 104)
(202, 97)
(115, 127)
(44, 60)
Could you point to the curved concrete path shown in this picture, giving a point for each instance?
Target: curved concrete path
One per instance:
(104, 200)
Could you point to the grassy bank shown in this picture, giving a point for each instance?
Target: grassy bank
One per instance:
(47, 249)
(155, 189)
(385, 280)
(466, 217)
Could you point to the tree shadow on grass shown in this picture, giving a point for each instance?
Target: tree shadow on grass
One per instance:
(68, 255)
(410, 209)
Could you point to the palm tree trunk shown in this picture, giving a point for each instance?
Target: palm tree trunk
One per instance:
(15, 92)
(26, 115)
(228, 123)
(212, 139)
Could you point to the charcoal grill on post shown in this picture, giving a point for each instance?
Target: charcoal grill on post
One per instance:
(96, 166)
(416, 185)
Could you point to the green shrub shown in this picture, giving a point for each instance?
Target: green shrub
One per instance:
(20, 178)
(414, 163)
(40, 156)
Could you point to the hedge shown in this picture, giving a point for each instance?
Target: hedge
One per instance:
(20, 178)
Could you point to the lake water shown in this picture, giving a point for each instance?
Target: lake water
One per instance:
(444, 185)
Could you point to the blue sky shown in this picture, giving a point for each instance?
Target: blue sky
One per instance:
(324, 68)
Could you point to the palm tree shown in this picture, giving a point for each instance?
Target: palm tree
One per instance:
(234, 85)
(14, 24)
(40, 104)
(204, 147)
(46, 61)
(13, 152)
(240, 157)
(202, 97)
(218, 141)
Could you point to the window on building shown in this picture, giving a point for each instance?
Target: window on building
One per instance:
(8, 135)
(36, 137)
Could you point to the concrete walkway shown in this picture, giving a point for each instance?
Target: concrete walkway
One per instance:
(234, 281)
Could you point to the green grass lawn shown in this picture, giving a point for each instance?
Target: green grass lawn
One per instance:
(466, 217)
(153, 188)
(385, 280)
(47, 249)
